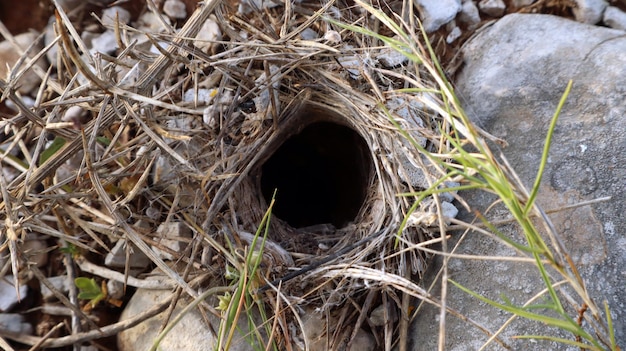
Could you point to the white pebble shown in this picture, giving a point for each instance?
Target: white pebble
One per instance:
(8, 296)
(111, 14)
(469, 14)
(175, 9)
(308, 34)
(74, 113)
(208, 34)
(14, 322)
(60, 283)
(454, 34)
(614, 18)
(436, 13)
(105, 43)
(589, 11)
(493, 8)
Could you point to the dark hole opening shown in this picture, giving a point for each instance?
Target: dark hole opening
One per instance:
(321, 174)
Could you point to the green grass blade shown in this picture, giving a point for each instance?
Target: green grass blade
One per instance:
(546, 150)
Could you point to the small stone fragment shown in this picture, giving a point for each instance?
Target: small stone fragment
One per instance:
(9, 56)
(203, 96)
(448, 211)
(60, 283)
(8, 296)
(589, 11)
(522, 3)
(614, 18)
(35, 251)
(112, 14)
(208, 35)
(390, 57)
(172, 235)
(449, 196)
(377, 316)
(493, 8)
(175, 9)
(190, 334)
(115, 289)
(454, 34)
(14, 322)
(469, 14)
(308, 34)
(117, 257)
(105, 43)
(436, 13)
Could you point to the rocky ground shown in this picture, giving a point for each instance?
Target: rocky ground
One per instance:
(510, 61)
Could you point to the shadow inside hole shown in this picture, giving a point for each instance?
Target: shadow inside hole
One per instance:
(322, 176)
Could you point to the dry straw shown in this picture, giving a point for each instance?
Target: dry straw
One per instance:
(142, 154)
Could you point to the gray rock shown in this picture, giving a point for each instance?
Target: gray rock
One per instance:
(493, 8)
(589, 11)
(175, 9)
(14, 322)
(454, 34)
(614, 18)
(436, 13)
(112, 14)
(9, 56)
(8, 296)
(469, 14)
(116, 258)
(62, 283)
(514, 75)
(521, 3)
(172, 235)
(191, 333)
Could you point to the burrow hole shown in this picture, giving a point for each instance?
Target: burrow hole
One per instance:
(321, 176)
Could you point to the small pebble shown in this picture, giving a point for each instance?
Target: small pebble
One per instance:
(454, 34)
(61, 283)
(116, 258)
(308, 34)
(208, 35)
(115, 289)
(614, 18)
(8, 296)
(175, 9)
(436, 13)
(36, 252)
(9, 56)
(448, 211)
(105, 43)
(469, 14)
(493, 8)
(390, 57)
(522, 3)
(14, 322)
(171, 235)
(111, 14)
(204, 96)
(589, 11)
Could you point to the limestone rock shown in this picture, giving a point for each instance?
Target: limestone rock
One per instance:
(8, 295)
(514, 75)
(469, 14)
(614, 18)
(190, 334)
(175, 9)
(112, 14)
(436, 13)
(589, 11)
(9, 55)
(493, 8)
